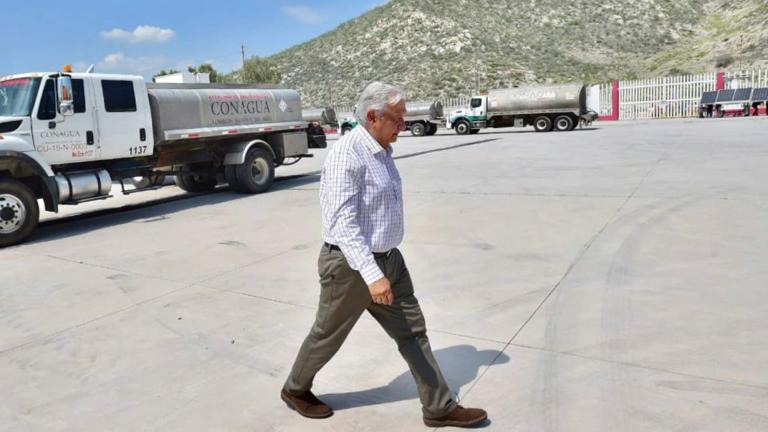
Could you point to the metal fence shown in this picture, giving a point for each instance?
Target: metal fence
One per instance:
(452, 103)
(605, 99)
(343, 110)
(667, 97)
(745, 79)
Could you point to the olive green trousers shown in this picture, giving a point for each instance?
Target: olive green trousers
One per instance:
(344, 296)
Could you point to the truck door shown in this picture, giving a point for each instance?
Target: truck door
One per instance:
(478, 108)
(65, 139)
(123, 108)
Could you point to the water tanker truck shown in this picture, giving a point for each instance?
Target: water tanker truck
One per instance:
(423, 117)
(558, 107)
(67, 138)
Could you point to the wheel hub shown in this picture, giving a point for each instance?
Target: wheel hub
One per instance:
(12, 214)
(7, 213)
(258, 170)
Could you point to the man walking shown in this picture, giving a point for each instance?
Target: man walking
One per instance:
(361, 268)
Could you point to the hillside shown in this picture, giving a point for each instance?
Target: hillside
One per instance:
(441, 48)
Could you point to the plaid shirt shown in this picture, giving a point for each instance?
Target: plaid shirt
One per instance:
(361, 198)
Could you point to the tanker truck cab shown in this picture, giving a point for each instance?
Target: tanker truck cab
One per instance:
(108, 119)
(64, 119)
(348, 121)
(469, 120)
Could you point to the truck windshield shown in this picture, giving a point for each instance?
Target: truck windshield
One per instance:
(17, 96)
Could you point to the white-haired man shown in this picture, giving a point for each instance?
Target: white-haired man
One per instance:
(361, 268)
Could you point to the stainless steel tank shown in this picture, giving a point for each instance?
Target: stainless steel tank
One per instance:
(423, 110)
(538, 99)
(184, 111)
(324, 116)
(84, 185)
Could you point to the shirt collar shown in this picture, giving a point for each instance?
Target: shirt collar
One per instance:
(370, 142)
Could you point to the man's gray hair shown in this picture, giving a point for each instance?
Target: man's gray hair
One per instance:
(376, 96)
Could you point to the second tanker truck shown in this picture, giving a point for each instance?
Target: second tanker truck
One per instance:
(546, 108)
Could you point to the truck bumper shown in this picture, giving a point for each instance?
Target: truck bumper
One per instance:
(589, 116)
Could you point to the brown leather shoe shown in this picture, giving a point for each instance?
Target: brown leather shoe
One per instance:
(306, 404)
(459, 417)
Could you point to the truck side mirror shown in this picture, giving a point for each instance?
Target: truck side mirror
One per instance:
(65, 95)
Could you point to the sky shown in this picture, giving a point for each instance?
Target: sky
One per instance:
(144, 36)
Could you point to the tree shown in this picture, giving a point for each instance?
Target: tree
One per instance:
(260, 70)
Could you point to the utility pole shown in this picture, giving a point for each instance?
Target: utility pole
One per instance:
(242, 56)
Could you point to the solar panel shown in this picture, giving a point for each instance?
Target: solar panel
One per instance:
(760, 94)
(708, 97)
(725, 95)
(742, 94)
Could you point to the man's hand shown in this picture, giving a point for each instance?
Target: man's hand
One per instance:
(381, 292)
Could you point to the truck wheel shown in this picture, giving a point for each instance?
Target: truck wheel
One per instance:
(345, 129)
(563, 123)
(576, 123)
(230, 175)
(19, 212)
(431, 129)
(418, 129)
(255, 175)
(474, 131)
(195, 182)
(542, 124)
(463, 127)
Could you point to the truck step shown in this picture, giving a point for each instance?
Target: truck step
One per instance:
(96, 198)
(148, 188)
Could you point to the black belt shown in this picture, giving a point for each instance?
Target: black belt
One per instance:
(332, 247)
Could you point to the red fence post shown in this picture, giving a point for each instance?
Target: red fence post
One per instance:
(720, 81)
(614, 115)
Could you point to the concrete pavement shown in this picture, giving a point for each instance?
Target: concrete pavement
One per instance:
(600, 280)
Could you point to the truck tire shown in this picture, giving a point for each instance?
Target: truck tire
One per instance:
(256, 174)
(230, 175)
(542, 124)
(462, 127)
(576, 123)
(431, 129)
(345, 129)
(563, 123)
(418, 129)
(19, 212)
(195, 182)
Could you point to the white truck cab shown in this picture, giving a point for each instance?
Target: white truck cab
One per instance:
(113, 125)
